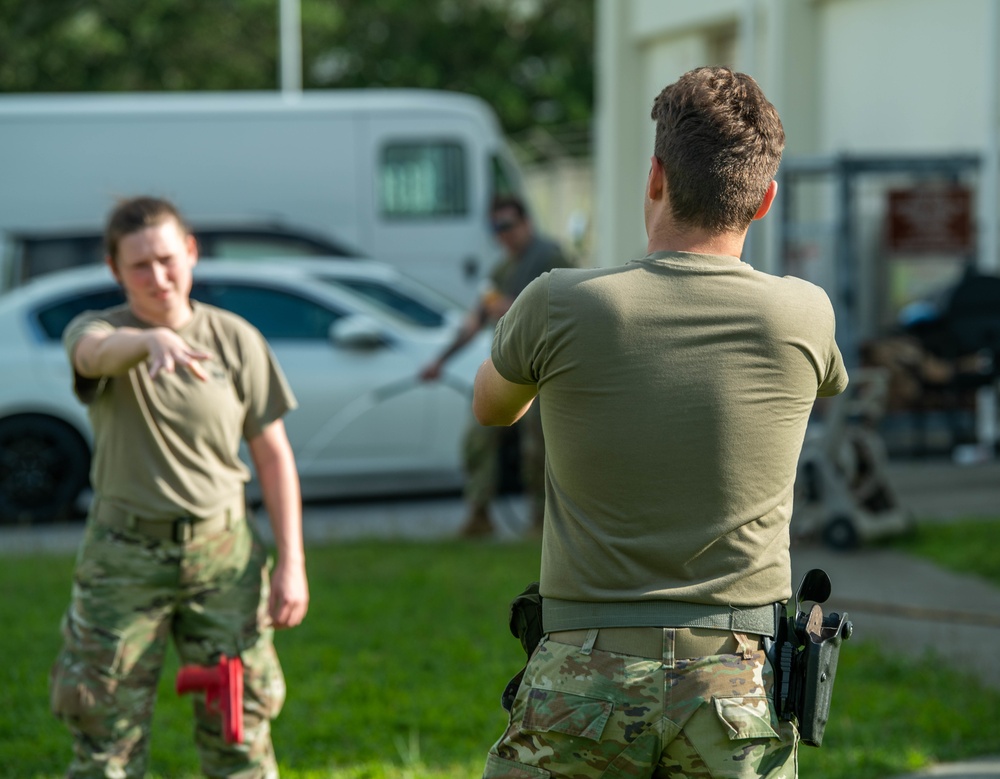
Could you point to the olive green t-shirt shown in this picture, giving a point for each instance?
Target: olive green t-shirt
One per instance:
(170, 447)
(675, 392)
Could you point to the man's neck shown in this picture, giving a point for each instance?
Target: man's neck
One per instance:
(668, 239)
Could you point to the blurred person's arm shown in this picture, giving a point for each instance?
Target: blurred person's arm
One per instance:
(472, 324)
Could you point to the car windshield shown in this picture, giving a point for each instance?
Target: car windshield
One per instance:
(391, 299)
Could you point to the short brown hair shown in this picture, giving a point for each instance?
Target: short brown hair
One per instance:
(137, 213)
(720, 142)
(502, 202)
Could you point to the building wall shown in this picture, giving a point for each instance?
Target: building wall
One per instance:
(903, 75)
(858, 77)
(561, 197)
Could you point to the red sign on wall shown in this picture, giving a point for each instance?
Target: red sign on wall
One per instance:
(930, 219)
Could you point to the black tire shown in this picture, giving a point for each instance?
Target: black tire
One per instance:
(44, 466)
(840, 533)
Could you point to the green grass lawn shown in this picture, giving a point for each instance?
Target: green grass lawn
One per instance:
(397, 674)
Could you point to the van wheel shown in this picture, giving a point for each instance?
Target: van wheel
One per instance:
(44, 466)
(840, 533)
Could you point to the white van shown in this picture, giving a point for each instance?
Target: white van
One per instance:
(403, 176)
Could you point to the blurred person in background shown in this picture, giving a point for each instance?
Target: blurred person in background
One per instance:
(527, 254)
(172, 386)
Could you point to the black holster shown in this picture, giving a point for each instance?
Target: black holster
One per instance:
(804, 657)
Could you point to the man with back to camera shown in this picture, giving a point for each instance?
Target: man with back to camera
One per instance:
(675, 395)
(526, 255)
(172, 387)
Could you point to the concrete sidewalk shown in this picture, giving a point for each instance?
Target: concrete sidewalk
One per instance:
(910, 606)
(934, 490)
(938, 491)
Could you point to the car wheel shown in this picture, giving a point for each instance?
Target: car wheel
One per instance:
(44, 466)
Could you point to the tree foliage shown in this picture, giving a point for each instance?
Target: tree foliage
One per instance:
(117, 45)
(531, 59)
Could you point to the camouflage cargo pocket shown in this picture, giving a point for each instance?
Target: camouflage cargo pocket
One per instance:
(83, 679)
(498, 768)
(751, 716)
(737, 738)
(564, 712)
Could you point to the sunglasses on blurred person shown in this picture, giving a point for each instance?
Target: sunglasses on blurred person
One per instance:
(502, 226)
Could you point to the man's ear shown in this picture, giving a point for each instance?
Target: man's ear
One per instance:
(655, 182)
(765, 204)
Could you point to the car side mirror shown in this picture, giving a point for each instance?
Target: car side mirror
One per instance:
(357, 332)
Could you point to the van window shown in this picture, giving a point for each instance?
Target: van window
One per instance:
(421, 180)
(503, 180)
(44, 255)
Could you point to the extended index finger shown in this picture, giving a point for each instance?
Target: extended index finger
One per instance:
(194, 365)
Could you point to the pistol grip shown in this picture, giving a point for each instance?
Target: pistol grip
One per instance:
(232, 719)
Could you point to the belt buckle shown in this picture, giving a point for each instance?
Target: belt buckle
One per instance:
(183, 530)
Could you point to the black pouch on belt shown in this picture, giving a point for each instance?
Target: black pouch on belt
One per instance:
(526, 618)
(525, 623)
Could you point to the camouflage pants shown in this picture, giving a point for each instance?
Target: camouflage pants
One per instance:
(131, 596)
(581, 713)
(481, 454)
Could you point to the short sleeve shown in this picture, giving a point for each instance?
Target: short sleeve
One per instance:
(84, 388)
(834, 380)
(81, 325)
(266, 392)
(521, 335)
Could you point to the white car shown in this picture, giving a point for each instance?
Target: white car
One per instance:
(350, 335)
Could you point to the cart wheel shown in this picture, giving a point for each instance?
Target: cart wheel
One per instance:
(840, 533)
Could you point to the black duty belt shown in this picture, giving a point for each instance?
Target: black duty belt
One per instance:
(575, 615)
(179, 530)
